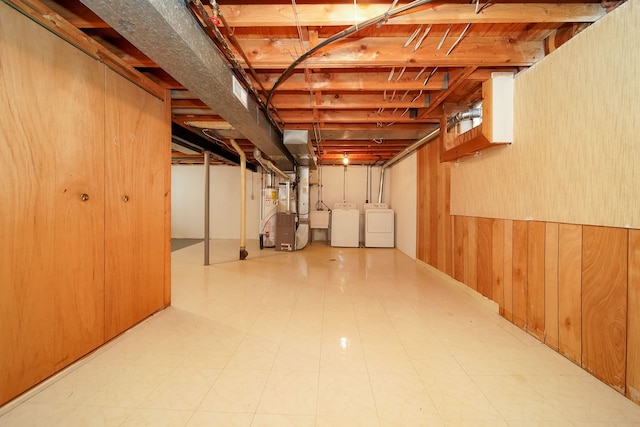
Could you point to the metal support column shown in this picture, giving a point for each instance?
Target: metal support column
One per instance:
(207, 163)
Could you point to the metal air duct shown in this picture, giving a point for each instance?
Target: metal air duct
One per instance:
(165, 31)
(299, 145)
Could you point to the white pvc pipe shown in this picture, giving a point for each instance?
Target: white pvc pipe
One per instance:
(266, 164)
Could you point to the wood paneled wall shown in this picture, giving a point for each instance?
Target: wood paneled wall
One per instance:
(74, 254)
(434, 232)
(561, 257)
(574, 287)
(568, 288)
(575, 153)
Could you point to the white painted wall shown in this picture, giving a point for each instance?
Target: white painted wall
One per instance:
(403, 199)
(355, 190)
(187, 202)
(187, 198)
(350, 186)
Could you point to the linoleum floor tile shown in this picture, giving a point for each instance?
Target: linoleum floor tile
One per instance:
(322, 337)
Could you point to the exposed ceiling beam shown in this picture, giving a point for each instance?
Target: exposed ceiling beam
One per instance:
(350, 101)
(350, 116)
(439, 99)
(388, 52)
(362, 81)
(441, 13)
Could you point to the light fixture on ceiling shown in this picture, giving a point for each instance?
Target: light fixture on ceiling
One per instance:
(345, 160)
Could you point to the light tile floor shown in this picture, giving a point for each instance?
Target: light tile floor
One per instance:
(323, 337)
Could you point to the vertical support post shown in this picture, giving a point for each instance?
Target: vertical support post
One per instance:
(243, 197)
(207, 164)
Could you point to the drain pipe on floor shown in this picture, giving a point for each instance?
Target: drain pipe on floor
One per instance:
(401, 155)
(243, 197)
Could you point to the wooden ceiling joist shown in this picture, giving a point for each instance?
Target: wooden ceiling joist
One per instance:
(351, 116)
(259, 15)
(358, 91)
(348, 101)
(363, 81)
(388, 52)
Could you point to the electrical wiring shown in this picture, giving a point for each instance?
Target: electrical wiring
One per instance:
(344, 33)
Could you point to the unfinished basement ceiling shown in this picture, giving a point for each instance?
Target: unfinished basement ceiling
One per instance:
(368, 95)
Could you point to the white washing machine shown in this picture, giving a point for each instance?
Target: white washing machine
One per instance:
(379, 226)
(345, 225)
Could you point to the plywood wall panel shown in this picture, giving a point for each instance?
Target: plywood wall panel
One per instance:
(136, 138)
(497, 263)
(432, 162)
(444, 263)
(508, 270)
(633, 318)
(471, 254)
(604, 303)
(535, 279)
(485, 252)
(576, 175)
(422, 227)
(167, 203)
(520, 273)
(551, 285)
(27, 257)
(79, 224)
(459, 245)
(570, 291)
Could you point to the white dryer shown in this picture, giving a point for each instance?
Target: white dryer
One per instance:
(345, 225)
(379, 226)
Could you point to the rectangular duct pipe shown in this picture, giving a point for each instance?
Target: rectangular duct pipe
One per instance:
(165, 31)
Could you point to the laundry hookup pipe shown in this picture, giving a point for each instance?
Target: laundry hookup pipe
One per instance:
(243, 197)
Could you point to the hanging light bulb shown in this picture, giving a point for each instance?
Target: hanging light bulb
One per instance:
(345, 160)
